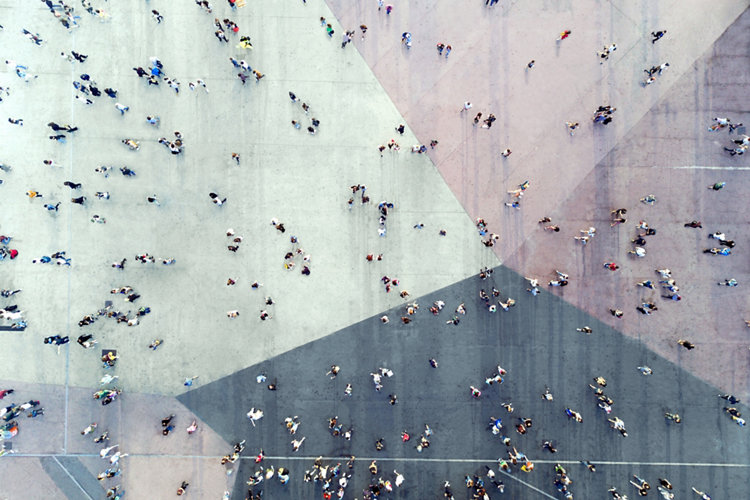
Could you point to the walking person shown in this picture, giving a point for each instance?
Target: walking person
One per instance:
(657, 35)
(703, 495)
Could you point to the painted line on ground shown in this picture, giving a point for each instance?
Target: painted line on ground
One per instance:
(394, 459)
(699, 167)
(531, 486)
(71, 477)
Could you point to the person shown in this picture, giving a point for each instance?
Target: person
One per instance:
(729, 397)
(57, 340)
(619, 425)
(254, 414)
(646, 284)
(686, 344)
(657, 35)
(732, 411)
(638, 252)
(574, 415)
(85, 341)
(718, 251)
(215, 198)
(167, 420)
(642, 485)
(183, 488)
(297, 443)
(703, 495)
(645, 370)
(399, 477)
(549, 446)
(674, 417)
(334, 371)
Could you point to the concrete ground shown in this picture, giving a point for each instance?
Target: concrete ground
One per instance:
(658, 143)
(537, 343)
(671, 154)
(360, 94)
(302, 180)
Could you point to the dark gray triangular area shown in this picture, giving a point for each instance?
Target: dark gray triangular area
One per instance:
(537, 343)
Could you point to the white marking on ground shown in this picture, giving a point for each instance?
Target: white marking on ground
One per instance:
(699, 167)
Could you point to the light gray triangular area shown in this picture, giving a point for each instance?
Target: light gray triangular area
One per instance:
(537, 343)
(300, 179)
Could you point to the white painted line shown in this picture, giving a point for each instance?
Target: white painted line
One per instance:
(72, 478)
(494, 460)
(700, 167)
(543, 493)
(655, 464)
(394, 459)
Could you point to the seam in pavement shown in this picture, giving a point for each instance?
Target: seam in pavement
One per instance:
(394, 459)
(71, 477)
(544, 493)
(70, 270)
(614, 6)
(698, 167)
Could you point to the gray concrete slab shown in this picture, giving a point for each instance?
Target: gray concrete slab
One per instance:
(537, 343)
(72, 461)
(59, 473)
(25, 477)
(285, 173)
(304, 181)
(85, 481)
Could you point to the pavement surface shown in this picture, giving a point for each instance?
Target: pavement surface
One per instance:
(360, 94)
(657, 144)
(537, 343)
(671, 154)
(301, 180)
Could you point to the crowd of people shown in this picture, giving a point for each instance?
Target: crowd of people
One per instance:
(333, 478)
